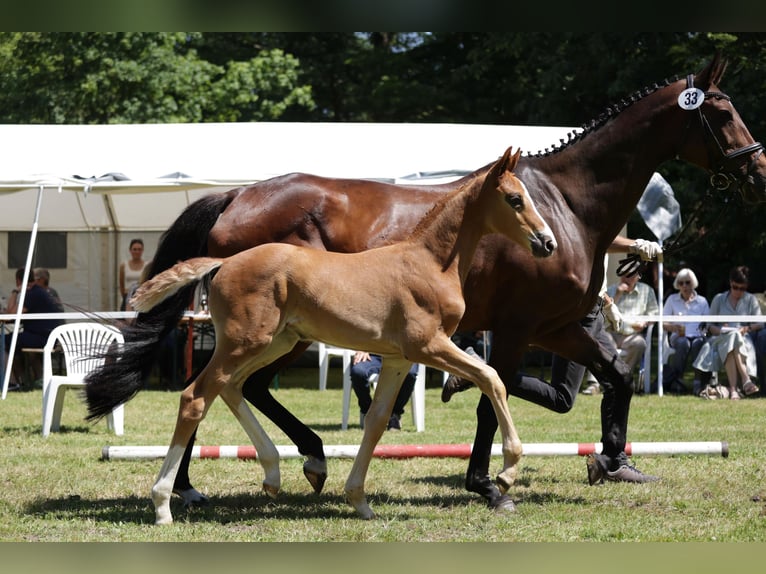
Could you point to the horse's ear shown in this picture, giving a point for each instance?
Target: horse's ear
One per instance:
(712, 73)
(509, 159)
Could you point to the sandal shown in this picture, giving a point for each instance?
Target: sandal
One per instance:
(750, 388)
(734, 395)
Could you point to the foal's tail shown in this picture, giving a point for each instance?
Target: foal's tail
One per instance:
(154, 291)
(123, 373)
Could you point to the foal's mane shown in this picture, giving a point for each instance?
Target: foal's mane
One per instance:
(610, 112)
(439, 206)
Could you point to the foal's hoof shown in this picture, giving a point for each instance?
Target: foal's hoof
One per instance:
(503, 505)
(271, 491)
(315, 472)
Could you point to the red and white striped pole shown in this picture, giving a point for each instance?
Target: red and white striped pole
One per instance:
(424, 450)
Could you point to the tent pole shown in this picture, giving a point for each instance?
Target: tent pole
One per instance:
(23, 292)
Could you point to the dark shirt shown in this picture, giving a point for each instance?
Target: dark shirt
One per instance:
(37, 300)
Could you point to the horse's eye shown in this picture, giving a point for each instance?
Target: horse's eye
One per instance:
(515, 201)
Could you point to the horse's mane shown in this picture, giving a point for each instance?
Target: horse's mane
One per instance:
(610, 112)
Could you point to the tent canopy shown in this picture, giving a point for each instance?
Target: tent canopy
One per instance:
(140, 177)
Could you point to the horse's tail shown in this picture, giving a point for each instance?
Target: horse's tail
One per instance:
(154, 291)
(123, 373)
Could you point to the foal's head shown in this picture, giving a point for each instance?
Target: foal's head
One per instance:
(511, 210)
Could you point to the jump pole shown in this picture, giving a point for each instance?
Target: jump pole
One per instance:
(424, 450)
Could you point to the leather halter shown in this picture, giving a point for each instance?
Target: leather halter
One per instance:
(722, 178)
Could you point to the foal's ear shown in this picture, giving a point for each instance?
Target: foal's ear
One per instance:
(508, 162)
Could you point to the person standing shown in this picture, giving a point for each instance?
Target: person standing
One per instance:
(130, 272)
(558, 395)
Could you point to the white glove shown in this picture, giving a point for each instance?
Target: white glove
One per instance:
(613, 316)
(647, 250)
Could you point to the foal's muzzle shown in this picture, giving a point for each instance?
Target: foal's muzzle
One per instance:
(543, 244)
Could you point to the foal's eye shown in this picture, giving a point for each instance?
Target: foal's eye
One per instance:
(515, 201)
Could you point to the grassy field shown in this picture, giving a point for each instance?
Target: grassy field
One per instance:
(59, 489)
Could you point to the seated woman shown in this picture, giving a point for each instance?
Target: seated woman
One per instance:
(685, 339)
(730, 347)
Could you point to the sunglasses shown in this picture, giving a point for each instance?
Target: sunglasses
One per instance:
(738, 287)
(684, 282)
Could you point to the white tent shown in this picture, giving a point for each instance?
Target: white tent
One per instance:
(104, 184)
(158, 169)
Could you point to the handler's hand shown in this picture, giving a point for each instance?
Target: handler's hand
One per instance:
(612, 315)
(647, 250)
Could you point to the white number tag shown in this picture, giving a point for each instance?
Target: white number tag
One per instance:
(691, 98)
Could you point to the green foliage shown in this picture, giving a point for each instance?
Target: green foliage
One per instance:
(138, 78)
(539, 78)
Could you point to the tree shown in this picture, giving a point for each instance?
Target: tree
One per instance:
(138, 78)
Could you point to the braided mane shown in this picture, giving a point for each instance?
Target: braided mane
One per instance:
(610, 112)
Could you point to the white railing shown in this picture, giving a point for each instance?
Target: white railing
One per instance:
(660, 320)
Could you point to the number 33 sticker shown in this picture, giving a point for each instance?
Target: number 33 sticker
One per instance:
(691, 98)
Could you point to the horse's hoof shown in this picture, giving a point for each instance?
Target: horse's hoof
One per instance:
(503, 505)
(271, 491)
(192, 497)
(316, 479)
(315, 471)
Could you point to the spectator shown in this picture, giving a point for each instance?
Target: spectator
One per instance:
(34, 332)
(131, 271)
(685, 339)
(632, 298)
(729, 347)
(43, 279)
(365, 369)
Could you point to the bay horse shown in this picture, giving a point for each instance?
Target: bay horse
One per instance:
(264, 300)
(586, 188)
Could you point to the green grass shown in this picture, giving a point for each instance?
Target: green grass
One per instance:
(59, 489)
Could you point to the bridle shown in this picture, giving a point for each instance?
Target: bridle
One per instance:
(722, 163)
(724, 177)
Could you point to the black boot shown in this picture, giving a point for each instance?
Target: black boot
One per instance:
(455, 384)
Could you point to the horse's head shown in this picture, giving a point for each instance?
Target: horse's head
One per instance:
(717, 138)
(513, 213)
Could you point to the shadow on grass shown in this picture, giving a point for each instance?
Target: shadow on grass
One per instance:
(245, 507)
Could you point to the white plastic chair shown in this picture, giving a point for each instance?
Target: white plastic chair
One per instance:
(83, 345)
(325, 353)
(417, 401)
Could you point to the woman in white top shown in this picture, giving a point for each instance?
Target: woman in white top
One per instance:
(730, 346)
(686, 339)
(130, 271)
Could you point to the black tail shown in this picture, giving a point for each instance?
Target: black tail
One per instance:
(123, 375)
